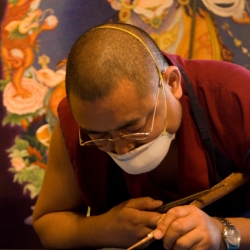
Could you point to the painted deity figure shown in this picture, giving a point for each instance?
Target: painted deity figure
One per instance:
(182, 27)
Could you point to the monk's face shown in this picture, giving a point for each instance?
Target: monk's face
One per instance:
(124, 112)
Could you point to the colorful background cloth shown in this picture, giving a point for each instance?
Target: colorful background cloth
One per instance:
(36, 36)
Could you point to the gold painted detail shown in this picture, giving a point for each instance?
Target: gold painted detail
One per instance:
(238, 43)
(168, 38)
(156, 21)
(43, 60)
(183, 2)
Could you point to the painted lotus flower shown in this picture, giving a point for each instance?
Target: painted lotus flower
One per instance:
(20, 106)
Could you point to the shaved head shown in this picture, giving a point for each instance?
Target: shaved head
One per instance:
(102, 58)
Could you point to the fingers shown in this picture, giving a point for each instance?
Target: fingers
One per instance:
(173, 221)
(144, 203)
(136, 214)
(187, 227)
(183, 237)
(186, 241)
(142, 209)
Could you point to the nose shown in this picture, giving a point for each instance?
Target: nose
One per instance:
(123, 146)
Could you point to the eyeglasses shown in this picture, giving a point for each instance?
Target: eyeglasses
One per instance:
(134, 136)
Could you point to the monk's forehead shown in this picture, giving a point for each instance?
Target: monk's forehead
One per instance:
(112, 111)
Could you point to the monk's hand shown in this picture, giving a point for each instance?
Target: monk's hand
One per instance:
(188, 227)
(132, 220)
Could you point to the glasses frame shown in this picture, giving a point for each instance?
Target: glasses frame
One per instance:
(91, 143)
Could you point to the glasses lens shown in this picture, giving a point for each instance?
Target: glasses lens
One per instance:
(97, 143)
(136, 136)
(105, 142)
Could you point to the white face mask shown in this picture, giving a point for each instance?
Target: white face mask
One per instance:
(146, 157)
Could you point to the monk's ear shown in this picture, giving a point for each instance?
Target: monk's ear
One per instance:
(172, 78)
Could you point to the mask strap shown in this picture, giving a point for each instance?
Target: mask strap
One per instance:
(166, 111)
(152, 56)
(140, 40)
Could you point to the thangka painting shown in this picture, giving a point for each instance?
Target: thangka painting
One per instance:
(36, 36)
(194, 29)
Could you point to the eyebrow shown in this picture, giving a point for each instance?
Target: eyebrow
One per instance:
(127, 124)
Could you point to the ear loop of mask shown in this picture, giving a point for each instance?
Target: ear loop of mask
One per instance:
(157, 67)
